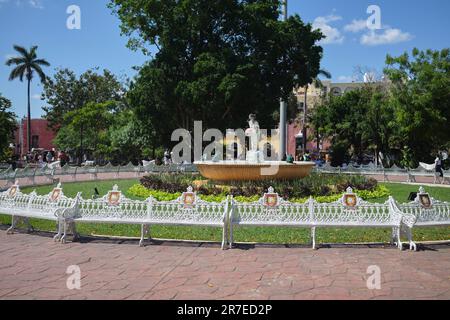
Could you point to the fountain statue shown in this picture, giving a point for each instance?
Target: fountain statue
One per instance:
(254, 155)
(255, 167)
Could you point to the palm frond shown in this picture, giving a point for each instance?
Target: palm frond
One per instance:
(26, 64)
(42, 62)
(325, 73)
(33, 54)
(15, 61)
(18, 72)
(39, 71)
(22, 51)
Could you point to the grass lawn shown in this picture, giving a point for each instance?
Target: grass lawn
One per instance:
(257, 234)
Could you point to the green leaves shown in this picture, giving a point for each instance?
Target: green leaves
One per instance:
(26, 64)
(216, 61)
(421, 95)
(7, 126)
(66, 92)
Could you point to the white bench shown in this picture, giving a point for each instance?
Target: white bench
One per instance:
(352, 212)
(426, 212)
(188, 210)
(25, 206)
(115, 208)
(349, 211)
(270, 210)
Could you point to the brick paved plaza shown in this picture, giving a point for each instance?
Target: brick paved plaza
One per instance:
(34, 267)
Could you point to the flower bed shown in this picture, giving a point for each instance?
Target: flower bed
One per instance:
(322, 187)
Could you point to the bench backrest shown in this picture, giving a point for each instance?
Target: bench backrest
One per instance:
(54, 200)
(427, 210)
(114, 205)
(348, 210)
(270, 209)
(14, 199)
(188, 208)
(352, 210)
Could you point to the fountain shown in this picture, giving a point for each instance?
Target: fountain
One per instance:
(255, 167)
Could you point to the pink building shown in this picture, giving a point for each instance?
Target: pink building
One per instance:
(295, 142)
(41, 136)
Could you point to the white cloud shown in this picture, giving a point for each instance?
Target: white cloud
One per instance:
(36, 96)
(356, 26)
(387, 36)
(36, 4)
(332, 34)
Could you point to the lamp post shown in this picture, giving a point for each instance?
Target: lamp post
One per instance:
(283, 104)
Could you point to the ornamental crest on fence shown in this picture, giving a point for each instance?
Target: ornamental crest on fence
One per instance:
(114, 196)
(271, 199)
(56, 193)
(14, 190)
(350, 199)
(188, 199)
(424, 199)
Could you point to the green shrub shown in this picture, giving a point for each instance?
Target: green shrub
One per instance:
(314, 185)
(142, 192)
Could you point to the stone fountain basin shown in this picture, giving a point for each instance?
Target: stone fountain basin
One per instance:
(244, 171)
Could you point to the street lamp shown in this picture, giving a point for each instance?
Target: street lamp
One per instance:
(283, 104)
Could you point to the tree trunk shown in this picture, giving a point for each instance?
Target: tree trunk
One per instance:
(318, 141)
(305, 110)
(81, 146)
(29, 118)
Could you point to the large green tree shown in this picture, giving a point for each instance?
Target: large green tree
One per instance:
(86, 129)
(421, 97)
(66, 92)
(215, 61)
(7, 126)
(26, 65)
(358, 122)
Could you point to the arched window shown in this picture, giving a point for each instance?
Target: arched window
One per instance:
(268, 151)
(336, 91)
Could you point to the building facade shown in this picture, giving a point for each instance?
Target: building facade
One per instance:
(41, 136)
(313, 97)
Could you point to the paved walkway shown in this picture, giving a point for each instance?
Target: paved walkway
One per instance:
(33, 267)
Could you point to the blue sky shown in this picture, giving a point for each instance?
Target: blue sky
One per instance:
(405, 24)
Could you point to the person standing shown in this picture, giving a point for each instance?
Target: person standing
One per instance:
(307, 156)
(49, 157)
(438, 163)
(62, 158)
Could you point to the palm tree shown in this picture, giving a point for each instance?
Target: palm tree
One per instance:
(317, 84)
(26, 64)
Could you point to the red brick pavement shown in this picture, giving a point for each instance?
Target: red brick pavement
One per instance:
(33, 267)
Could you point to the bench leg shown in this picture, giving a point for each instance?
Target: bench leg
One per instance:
(399, 241)
(145, 231)
(73, 230)
(412, 244)
(29, 226)
(313, 238)
(231, 236)
(14, 221)
(224, 237)
(394, 236)
(58, 236)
